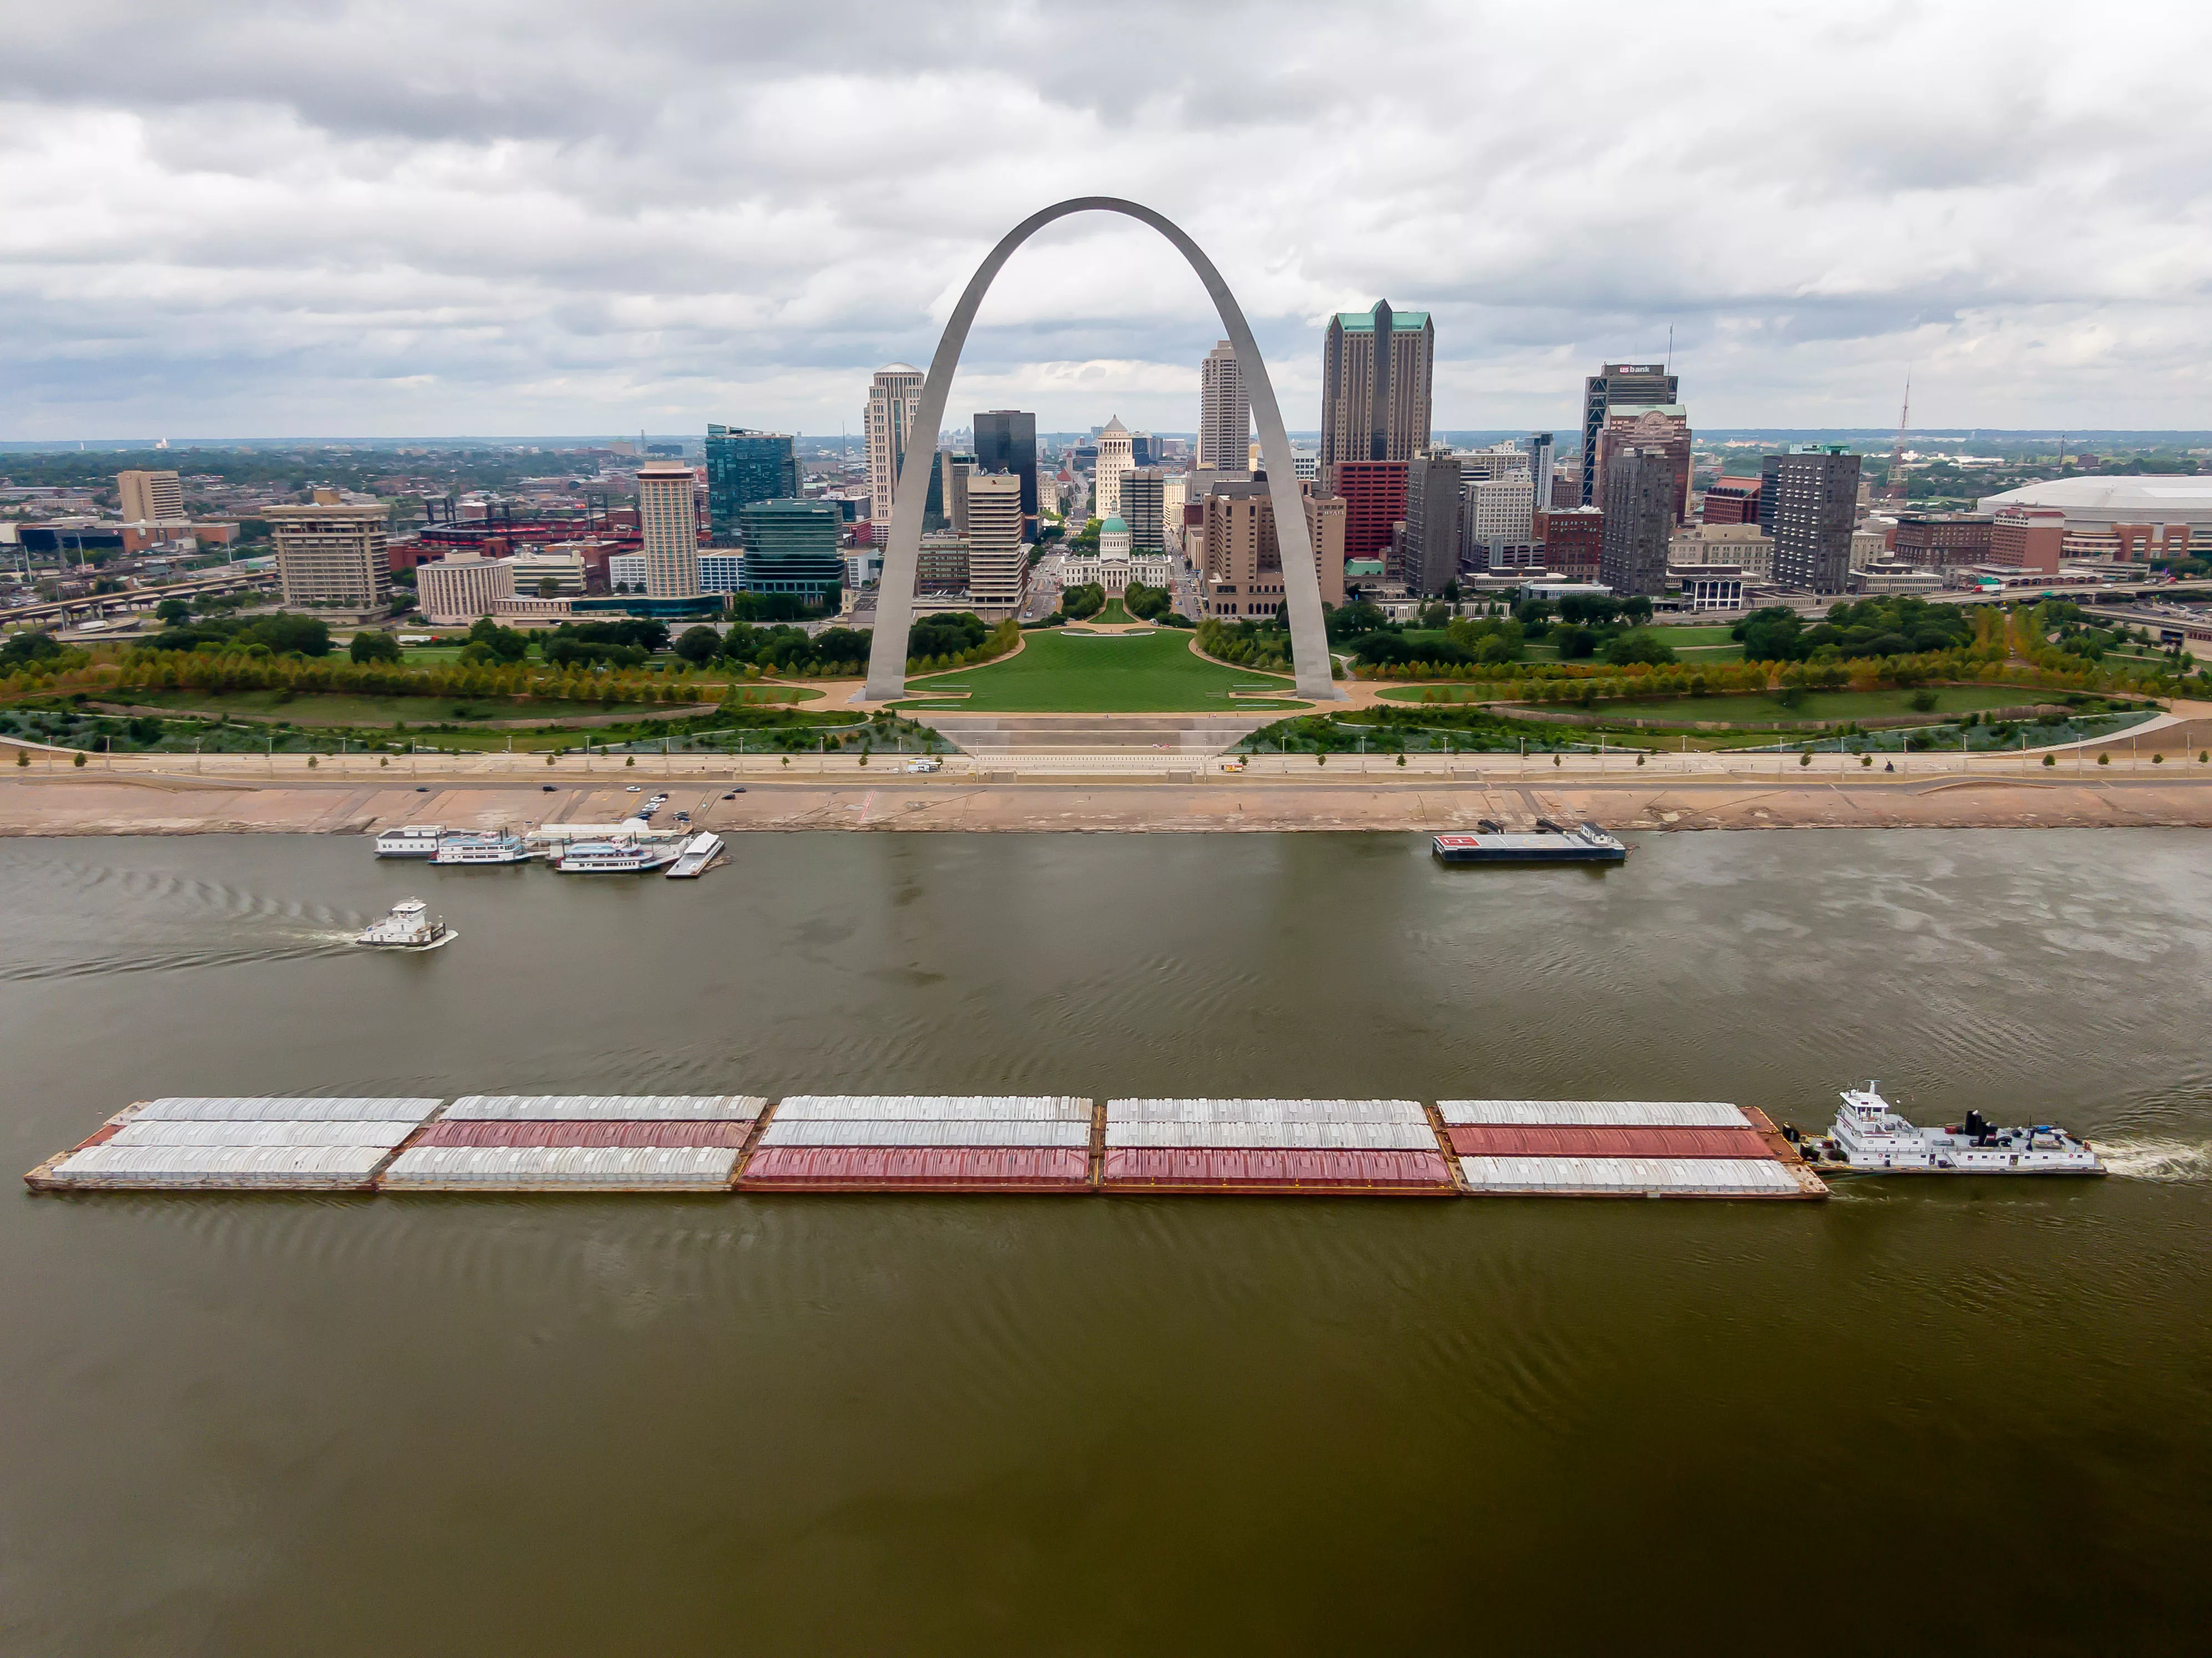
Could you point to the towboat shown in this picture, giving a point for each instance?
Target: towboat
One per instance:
(1869, 1137)
(410, 926)
(415, 840)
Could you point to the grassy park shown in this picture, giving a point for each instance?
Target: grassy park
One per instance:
(1061, 672)
(1820, 706)
(352, 709)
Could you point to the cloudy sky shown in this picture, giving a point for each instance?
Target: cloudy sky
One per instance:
(392, 217)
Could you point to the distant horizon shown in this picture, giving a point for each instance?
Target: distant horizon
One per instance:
(2144, 436)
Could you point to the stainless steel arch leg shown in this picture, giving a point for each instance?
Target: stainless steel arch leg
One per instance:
(1301, 579)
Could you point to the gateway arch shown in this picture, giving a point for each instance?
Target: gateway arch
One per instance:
(1301, 581)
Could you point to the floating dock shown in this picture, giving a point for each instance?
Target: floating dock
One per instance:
(1053, 1144)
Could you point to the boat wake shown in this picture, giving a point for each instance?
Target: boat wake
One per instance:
(2157, 1159)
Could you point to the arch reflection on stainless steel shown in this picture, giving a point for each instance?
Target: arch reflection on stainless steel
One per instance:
(1301, 581)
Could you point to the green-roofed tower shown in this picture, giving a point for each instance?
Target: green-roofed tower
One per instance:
(1376, 371)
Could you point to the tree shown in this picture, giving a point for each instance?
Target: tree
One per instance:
(1774, 635)
(1641, 645)
(699, 645)
(171, 611)
(547, 587)
(1088, 599)
(370, 646)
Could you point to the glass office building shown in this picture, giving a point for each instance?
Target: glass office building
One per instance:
(1005, 441)
(743, 467)
(791, 547)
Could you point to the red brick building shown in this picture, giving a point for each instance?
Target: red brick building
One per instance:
(1732, 500)
(1374, 493)
(1935, 541)
(1573, 538)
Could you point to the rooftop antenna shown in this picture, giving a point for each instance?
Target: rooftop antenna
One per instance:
(1670, 349)
(1895, 489)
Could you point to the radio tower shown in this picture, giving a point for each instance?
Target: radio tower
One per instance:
(1895, 489)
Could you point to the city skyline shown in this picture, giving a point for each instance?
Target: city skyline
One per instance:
(604, 221)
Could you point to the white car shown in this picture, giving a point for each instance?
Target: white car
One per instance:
(925, 765)
(635, 788)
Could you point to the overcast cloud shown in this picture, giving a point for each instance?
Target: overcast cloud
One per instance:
(538, 216)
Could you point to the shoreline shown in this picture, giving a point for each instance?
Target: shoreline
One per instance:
(104, 803)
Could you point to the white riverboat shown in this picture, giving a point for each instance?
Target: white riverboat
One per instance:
(415, 840)
(1869, 1137)
(410, 926)
(615, 857)
(491, 848)
(698, 855)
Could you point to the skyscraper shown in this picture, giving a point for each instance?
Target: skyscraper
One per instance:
(1144, 508)
(1432, 523)
(1224, 413)
(1639, 518)
(668, 524)
(1652, 426)
(1374, 496)
(893, 401)
(1114, 459)
(151, 496)
(743, 466)
(1808, 502)
(1616, 385)
(1376, 372)
(1005, 441)
(998, 552)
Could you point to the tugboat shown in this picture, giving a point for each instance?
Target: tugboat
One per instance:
(410, 926)
(1870, 1138)
(1586, 843)
(503, 847)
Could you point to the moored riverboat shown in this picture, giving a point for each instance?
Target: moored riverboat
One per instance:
(1585, 843)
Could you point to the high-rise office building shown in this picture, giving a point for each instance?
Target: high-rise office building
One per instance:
(150, 497)
(941, 567)
(1543, 457)
(1144, 509)
(1144, 449)
(1005, 441)
(1809, 504)
(1224, 413)
(894, 402)
(1639, 519)
(743, 466)
(1432, 523)
(998, 551)
(1618, 385)
(1241, 558)
(791, 547)
(948, 493)
(668, 524)
(1376, 373)
(1653, 426)
(1114, 459)
(1374, 496)
(330, 554)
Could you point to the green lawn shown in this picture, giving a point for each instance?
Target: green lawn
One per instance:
(1816, 707)
(1058, 672)
(344, 709)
